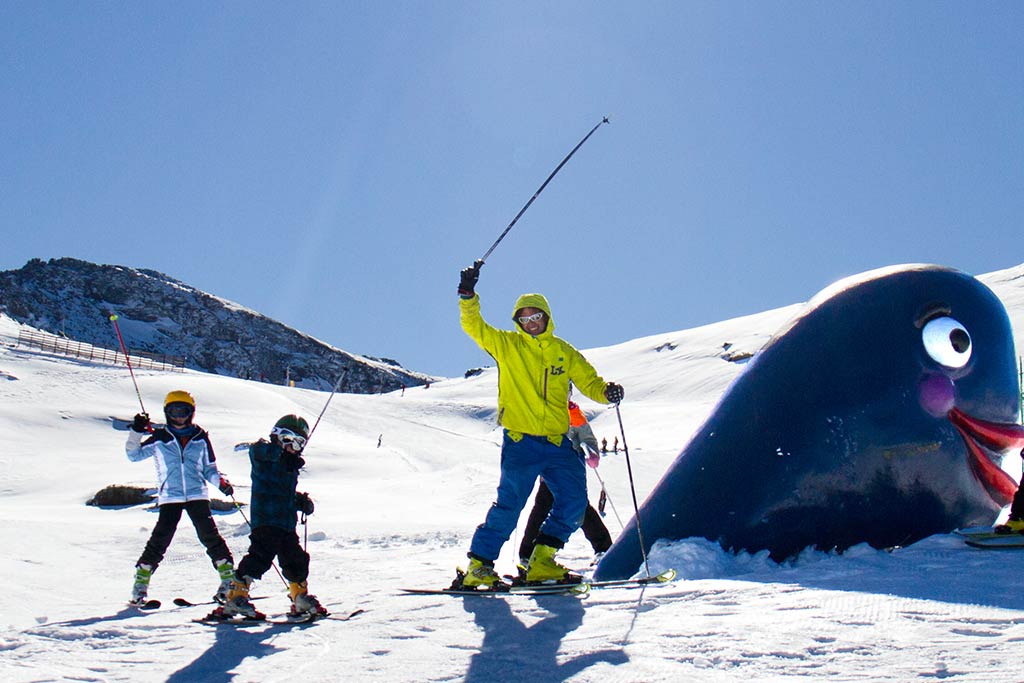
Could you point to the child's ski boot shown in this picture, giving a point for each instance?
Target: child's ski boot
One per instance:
(140, 590)
(237, 603)
(226, 570)
(303, 603)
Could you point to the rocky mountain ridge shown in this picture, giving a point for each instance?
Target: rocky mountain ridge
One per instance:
(158, 314)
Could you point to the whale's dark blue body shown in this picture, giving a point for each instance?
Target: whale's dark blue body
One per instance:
(838, 431)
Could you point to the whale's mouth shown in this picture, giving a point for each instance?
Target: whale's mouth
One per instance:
(987, 442)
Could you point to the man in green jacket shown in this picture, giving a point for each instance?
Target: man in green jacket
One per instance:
(535, 369)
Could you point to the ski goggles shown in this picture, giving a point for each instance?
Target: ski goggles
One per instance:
(289, 438)
(179, 411)
(535, 318)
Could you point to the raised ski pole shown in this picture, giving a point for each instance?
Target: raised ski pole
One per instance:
(539, 190)
(113, 318)
(337, 385)
(632, 489)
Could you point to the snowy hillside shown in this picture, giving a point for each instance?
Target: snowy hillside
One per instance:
(400, 481)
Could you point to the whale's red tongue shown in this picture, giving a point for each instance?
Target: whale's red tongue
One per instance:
(995, 436)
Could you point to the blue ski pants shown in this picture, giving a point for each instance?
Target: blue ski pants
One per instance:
(522, 462)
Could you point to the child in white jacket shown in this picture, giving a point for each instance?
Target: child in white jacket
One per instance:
(184, 464)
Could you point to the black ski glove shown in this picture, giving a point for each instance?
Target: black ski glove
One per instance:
(225, 486)
(468, 280)
(303, 503)
(141, 423)
(292, 461)
(613, 392)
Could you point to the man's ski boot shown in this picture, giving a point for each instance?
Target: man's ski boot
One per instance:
(237, 603)
(140, 590)
(1012, 526)
(303, 603)
(542, 568)
(480, 575)
(226, 570)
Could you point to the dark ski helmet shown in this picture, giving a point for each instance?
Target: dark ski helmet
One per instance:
(291, 431)
(294, 424)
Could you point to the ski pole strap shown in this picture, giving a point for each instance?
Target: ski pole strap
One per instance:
(606, 497)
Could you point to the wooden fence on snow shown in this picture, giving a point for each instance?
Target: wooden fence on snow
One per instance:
(51, 343)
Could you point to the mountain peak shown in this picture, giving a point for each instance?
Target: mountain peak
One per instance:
(159, 314)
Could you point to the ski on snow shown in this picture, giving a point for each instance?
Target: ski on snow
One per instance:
(1004, 541)
(285, 619)
(976, 532)
(549, 589)
(182, 602)
(664, 577)
(986, 537)
(151, 605)
(581, 588)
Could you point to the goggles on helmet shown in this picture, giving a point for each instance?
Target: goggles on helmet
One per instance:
(179, 410)
(289, 438)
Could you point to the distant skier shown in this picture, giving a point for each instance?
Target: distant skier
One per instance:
(274, 505)
(585, 443)
(184, 462)
(535, 370)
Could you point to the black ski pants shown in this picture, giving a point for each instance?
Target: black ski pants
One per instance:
(167, 523)
(268, 542)
(593, 526)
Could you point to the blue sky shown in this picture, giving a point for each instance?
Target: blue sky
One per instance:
(334, 165)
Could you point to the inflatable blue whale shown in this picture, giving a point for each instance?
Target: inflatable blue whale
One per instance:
(879, 414)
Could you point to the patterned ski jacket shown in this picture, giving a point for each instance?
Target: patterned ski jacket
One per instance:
(181, 472)
(273, 487)
(533, 372)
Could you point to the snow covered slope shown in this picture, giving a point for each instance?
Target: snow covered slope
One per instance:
(401, 513)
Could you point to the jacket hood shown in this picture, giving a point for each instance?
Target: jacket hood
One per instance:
(533, 301)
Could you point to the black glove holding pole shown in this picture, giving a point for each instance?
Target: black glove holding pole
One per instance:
(140, 423)
(303, 503)
(468, 279)
(614, 392)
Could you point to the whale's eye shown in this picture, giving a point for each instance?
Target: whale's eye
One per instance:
(947, 342)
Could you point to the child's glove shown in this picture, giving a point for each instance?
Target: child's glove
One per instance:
(303, 503)
(292, 461)
(593, 457)
(141, 423)
(225, 486)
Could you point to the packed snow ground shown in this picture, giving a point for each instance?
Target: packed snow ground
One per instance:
(401, 514)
